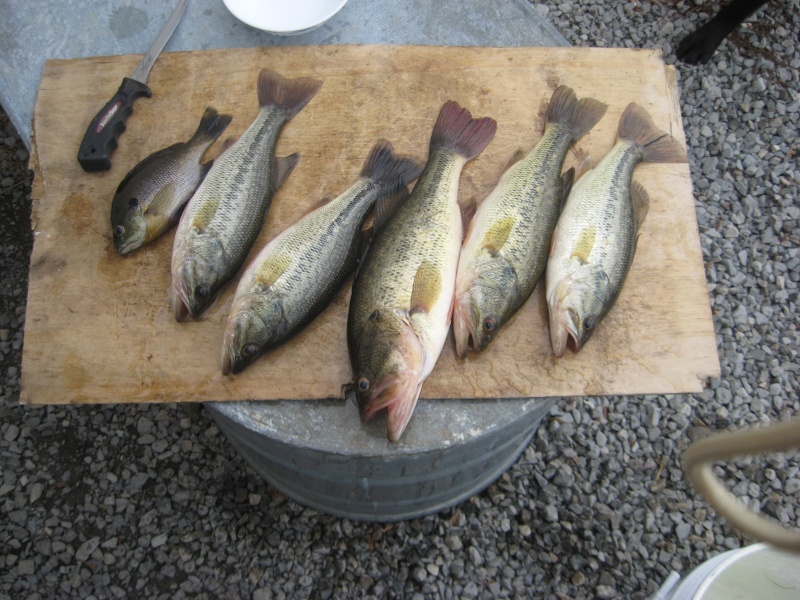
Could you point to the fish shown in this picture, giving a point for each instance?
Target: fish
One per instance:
(225, 215)
(296, 275)
(400, 307)
(505, 251)
(151, 197)
(596, 235)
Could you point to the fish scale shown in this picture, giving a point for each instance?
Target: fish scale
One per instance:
(393, 266)
(244, 173)
(312, 244)
(402, 294)
(226, 213)
(295, 276)
(507, 245)
(596, 236)
(608, 208)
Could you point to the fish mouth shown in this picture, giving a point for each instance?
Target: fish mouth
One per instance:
(398, 394)
(464, 319)
(227, 361)
(564, 332)
(180, 302)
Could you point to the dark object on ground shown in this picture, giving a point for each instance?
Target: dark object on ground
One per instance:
(700, 45)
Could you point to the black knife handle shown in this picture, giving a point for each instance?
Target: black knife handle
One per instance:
(100, 138)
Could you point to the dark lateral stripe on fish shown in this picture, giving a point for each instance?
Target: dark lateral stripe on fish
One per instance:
(576, 116)
(289, 94)
(457, 130)
(637, 126)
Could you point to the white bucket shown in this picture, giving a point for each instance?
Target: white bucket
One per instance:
(752, 573)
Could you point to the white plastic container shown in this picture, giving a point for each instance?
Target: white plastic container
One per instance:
(753, 573)
(284, 17)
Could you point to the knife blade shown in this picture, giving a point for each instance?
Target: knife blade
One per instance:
(100, 138)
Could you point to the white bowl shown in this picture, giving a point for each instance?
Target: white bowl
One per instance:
(284, 17)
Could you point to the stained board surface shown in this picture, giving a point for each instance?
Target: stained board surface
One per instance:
(99, 326)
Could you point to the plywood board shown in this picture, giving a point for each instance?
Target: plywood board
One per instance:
(99, 326)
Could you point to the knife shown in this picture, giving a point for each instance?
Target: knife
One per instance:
(100, 138)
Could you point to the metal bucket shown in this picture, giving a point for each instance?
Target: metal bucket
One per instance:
(321, 455)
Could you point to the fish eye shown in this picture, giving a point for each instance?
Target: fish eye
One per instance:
(363, 384)
(249, 350)
(133, 202)
(201, 291)
(489, 324)
(119, 230)
(588, 323)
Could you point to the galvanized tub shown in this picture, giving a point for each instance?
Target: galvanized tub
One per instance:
(320, 454)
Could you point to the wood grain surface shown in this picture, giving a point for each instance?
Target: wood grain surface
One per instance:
(99, 326)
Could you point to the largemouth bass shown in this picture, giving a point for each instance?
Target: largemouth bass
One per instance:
(296, 275)
(226, 213)
(595, 238)
(150, 198)
(506, 249)
(402, 294)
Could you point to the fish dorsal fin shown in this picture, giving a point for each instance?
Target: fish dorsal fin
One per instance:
(497, 235)
(518, 155)
(160, 204)
(641, 203)
(205, 213)
(585, 243)
(467, 213)
(271, 269)
(364, 240)
(567, 179)
(427, 287)
(284, 167)
(318, 204)
(226, 144)
(587, 164)
(386, 206)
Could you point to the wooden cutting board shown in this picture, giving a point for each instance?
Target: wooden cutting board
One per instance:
(99, 326)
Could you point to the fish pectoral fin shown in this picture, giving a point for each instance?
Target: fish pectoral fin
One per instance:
(567, 179)
(426, 289)
(205, 213)
(584, 244)
(641, 203)
(497, 235)
(271, 269)
(161, 203)
(284, 167)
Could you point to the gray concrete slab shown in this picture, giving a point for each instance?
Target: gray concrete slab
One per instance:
(32, 31)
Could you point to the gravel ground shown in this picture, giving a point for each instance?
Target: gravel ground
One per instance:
(151, 501)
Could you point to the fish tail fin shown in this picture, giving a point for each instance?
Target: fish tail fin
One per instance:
(457, 130)
(387, 168)
(290, 94)
(637, 127)
(212, 124)
(577, 116)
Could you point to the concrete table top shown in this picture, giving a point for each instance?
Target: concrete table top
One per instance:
(32, 31)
